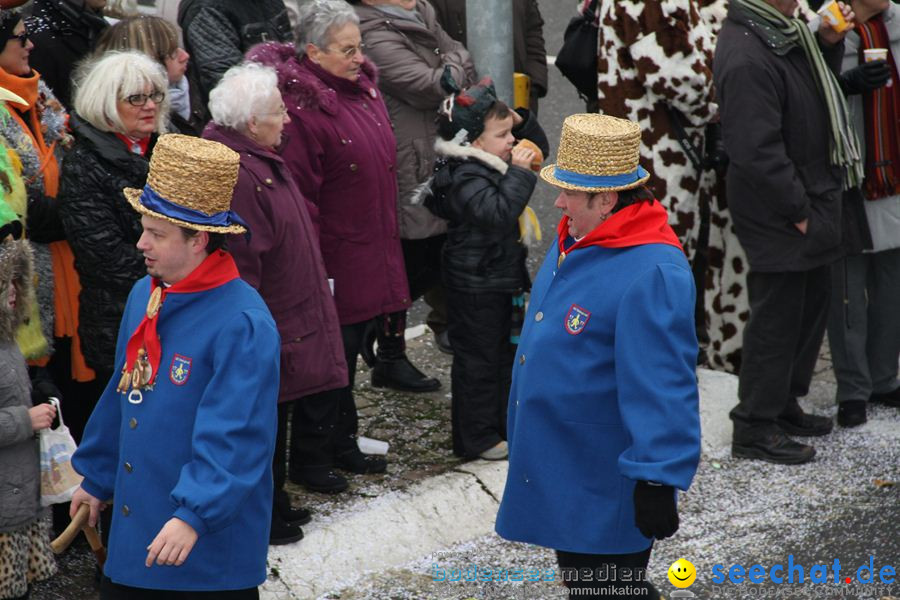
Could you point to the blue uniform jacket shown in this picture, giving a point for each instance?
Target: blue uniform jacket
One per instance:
(198, 447)
(604, 394)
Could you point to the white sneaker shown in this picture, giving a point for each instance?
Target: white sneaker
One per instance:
(498, 452)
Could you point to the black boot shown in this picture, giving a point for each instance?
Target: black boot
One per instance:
(851, 413)
(888, 399)
(771, 446)
(793, 421)
(319, 479)
(392, 367)
(367, 350)
(283, 532)
(281, 505)
(356, 462)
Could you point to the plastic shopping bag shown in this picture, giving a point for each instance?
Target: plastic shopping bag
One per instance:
(58, 479)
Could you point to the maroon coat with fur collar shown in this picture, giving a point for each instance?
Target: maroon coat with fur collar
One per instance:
(341, 150)
(281, 259)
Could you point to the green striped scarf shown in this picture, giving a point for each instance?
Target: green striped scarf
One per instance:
(782, 34)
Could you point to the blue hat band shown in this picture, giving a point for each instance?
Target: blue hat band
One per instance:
(599, 181)
(152, 200)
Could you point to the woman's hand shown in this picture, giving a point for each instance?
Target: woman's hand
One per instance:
(42, 416)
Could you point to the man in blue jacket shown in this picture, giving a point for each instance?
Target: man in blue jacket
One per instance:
(180, 444)
(603, 410)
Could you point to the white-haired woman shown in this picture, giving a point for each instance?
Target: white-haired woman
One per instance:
(120, 105)
(282, 260)
(343, 156)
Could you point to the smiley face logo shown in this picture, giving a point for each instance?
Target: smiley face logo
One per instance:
(682, 573)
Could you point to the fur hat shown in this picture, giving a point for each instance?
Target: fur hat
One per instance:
(597, 153)
(465, 109)
(8, 21)
(190, 183)
(15, 270)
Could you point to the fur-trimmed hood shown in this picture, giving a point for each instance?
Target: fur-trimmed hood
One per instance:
(16, 269)
(305, 85)
(454, 149)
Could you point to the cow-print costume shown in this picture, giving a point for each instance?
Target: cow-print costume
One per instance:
(25, 557)
(656, 53)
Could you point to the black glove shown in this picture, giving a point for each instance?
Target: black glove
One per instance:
(42, 390)
(865, 77)
(529, 129)
(716, 157)
(655, 513)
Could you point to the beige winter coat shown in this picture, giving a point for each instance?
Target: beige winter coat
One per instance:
(411, 57)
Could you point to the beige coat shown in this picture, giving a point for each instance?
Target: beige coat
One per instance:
(411, 57)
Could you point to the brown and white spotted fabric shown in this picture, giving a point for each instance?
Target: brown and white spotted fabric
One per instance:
(654, 54)
(25, 557)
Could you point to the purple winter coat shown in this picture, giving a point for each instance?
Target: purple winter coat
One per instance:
(282, 261)
(342, 152)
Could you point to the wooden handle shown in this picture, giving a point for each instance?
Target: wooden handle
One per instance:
(65, 539)
(96, 544)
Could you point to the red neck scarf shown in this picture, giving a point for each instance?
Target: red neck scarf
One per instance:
(635, 225)
(132, 144)
(881, 110)
(144, 349)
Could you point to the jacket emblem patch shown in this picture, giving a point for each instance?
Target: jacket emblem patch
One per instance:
(180, 370)
(577, 319)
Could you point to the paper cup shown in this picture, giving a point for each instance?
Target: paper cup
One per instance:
(877, 54)
(370, 446)
(831, 14)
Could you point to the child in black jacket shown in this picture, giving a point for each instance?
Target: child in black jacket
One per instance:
(481, 185)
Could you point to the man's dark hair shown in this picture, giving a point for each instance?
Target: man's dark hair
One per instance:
(633, 196)
(217, 241)
(627, 197)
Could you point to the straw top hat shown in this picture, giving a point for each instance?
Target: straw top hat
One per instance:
(597, 153)
(190, 183)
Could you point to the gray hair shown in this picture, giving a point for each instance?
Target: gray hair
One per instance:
(316, 21)
(242, 91)
(112, 77)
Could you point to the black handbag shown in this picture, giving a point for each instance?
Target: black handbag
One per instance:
(577, 59)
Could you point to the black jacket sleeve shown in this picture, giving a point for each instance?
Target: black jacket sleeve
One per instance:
(95, 233)
(44, 225)
(476, 200)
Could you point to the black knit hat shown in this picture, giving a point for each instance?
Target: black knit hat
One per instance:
(465, 109)
(8, 21)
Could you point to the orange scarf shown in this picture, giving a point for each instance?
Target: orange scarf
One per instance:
(27, 88)
(144, 350)
(66, 284)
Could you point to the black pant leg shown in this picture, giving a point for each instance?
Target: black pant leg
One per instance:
(279, 459)
(348, 421)
(602, 576)
(313, 424)
(115, 591)
(479, 328)
(771, 339)
(816, 300)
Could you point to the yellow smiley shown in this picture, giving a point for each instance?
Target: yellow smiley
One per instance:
(682, 573)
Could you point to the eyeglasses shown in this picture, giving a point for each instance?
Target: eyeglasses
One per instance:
(141, 99)
(348, 52)
(281, 112)
(22, 37)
